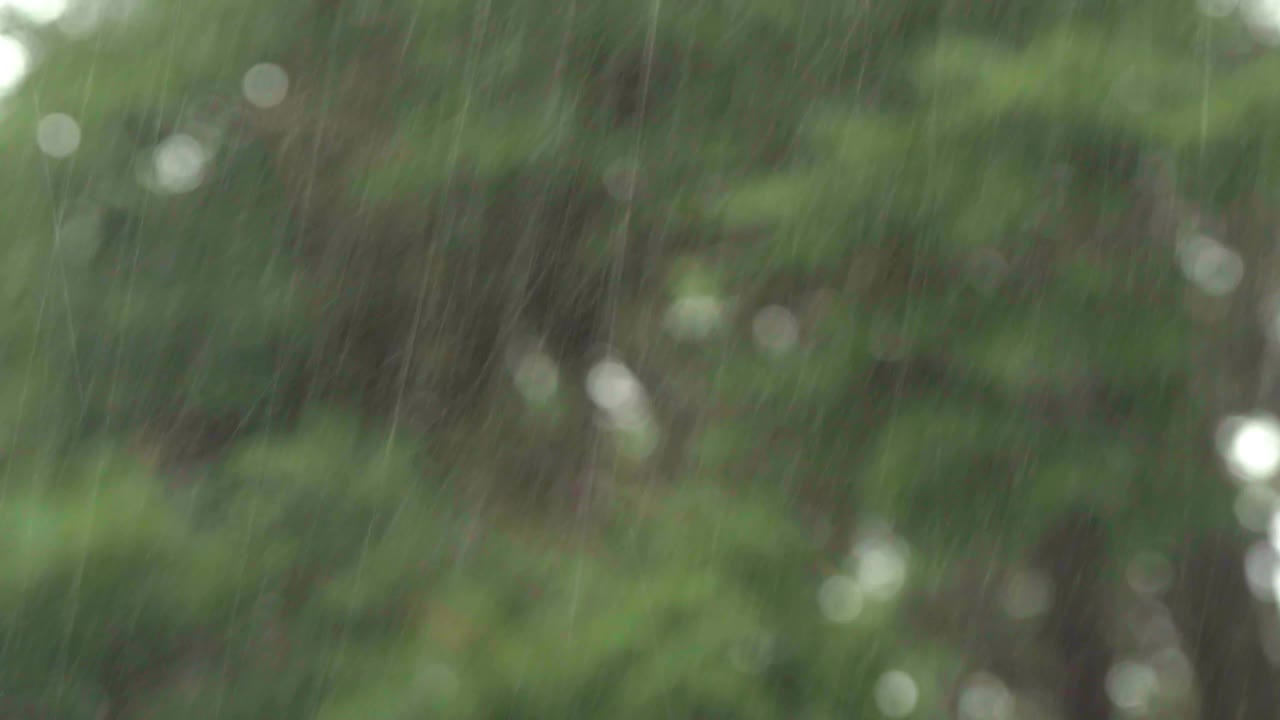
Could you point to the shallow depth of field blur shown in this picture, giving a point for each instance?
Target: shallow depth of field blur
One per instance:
(614, 359)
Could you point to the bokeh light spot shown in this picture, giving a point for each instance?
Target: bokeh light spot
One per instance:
(15, 63)
(776, 329)
(840, 599)
(1251, 446)
(896, 694)
(58, 135)
(265, 85)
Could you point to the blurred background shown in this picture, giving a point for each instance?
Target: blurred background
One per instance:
(610, 359)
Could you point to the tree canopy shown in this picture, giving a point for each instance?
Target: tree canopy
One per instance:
(752, 359)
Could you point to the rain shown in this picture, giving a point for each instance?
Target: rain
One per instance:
(762, 359)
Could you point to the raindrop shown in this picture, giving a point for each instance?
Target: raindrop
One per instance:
(618, 393)
(985, 697)
(840, 599)
(881, 566)
(537, 378)
(38, 11)
(179, 164)
(1149, 574)
(58, 135)
(1211, 266)
(896, 694)
(775, 329)
(1130, 685)
(612, 387)
(694, 317)
(1251, 446)
(1028, 594)
(15, 61)
(265, 85)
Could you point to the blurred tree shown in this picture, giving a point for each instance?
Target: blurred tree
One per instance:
(422, 357)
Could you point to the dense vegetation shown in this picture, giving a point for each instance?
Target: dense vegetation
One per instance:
(752, 359)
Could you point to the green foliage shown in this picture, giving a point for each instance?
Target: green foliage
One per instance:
(946, 195)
